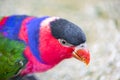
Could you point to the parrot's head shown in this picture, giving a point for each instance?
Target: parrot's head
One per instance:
(61, 39)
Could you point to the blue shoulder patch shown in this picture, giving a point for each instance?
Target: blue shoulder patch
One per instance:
(12, 26)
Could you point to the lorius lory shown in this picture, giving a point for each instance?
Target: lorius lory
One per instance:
(42, 43)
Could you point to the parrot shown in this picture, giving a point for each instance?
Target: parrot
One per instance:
(37, 44)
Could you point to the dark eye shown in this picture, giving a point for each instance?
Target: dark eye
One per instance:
(64, 43)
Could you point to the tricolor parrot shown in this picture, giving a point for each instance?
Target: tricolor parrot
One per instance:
(45, 42)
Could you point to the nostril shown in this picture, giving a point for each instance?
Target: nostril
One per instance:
(82, 46)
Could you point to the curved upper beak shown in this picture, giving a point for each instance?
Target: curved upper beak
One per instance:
(82, 54)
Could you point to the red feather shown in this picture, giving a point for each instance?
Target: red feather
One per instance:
(52, 52)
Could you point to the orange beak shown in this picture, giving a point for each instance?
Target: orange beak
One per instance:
(82, 55)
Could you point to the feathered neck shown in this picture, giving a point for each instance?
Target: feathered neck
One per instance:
(52, 52)
(33, 64)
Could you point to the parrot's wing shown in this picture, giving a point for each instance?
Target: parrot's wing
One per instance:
(11, 57)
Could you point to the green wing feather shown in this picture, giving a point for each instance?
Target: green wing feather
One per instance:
(10, 57)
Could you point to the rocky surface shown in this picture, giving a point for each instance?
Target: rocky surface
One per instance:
(100, 19)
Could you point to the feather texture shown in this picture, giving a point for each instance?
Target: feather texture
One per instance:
(41, 36)
(11, 59)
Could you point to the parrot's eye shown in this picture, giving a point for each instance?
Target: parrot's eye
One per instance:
(64, 43)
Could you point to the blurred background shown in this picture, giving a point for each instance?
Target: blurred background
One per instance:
(100, 19)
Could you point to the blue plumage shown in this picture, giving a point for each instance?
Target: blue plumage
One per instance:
(33, 28)
(12, 26)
